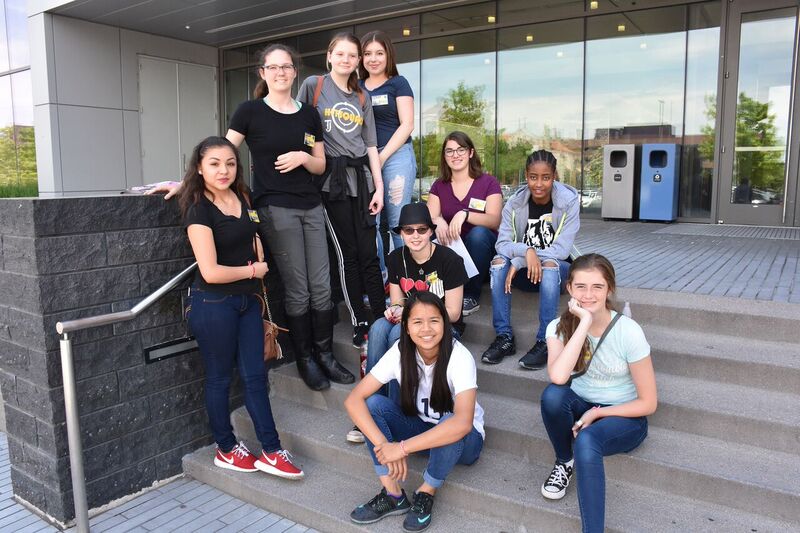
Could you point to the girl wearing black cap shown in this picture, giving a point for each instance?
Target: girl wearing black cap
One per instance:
(420, 265)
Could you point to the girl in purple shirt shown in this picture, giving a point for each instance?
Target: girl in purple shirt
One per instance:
(465, 203)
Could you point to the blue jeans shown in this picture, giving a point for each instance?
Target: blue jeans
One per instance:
(480, 245)
(399, 176)
(229, 331)
(397, 426)
(610, 435)
(549, 289)
(382, 336)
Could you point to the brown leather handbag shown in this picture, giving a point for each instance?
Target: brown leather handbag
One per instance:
(272, 348)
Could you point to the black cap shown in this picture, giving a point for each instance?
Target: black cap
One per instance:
(414, 213)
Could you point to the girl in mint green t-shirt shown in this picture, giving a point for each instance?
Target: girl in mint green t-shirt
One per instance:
(603, 410)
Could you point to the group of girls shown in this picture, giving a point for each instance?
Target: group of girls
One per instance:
(320, 168)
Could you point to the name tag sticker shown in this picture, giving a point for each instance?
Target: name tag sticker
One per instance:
(253, 216)
(309, 140)
(380, 99)
(477, 204)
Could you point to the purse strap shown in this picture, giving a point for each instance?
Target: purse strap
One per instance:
(597, 347)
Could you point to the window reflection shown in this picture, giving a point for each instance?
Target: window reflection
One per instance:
(697, 167)
(236, 92)
(458, 93)
(8, 156)
(539, 99)
(634, 87)
(3, 40)
(17, 28)
(459, 18)
(21, 94)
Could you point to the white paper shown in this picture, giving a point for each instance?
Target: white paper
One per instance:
(459, 248)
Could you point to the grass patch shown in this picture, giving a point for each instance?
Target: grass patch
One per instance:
(19, 190)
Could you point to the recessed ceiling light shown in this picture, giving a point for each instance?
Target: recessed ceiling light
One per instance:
(490, 19)
(529, 38)
(188, 27)
(593, 5)
(451, 48)
(620, 27)
(643, 46)
(406, 32)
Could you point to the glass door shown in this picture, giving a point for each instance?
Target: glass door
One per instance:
(758, 157)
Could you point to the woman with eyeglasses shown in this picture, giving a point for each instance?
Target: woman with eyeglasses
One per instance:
(352, 189)
(418, 266)
(465, 203)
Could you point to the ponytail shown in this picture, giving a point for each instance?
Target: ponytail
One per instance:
(261, 90)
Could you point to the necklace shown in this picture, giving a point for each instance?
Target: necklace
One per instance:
(421, 270)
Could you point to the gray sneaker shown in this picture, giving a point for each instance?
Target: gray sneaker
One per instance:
(470, 306)
(380, 506)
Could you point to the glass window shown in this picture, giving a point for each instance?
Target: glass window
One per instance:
(3, 40)
(23, 127)
(634, 87)
(8, 155)
(459, 18)
(539, 106)
(697, 165)
(319, 41)
(458, 93)
(237, 90)
(17, 28)
(395, 28)
(312, 66)
(408, 65)
(237, 57)
(521, 11)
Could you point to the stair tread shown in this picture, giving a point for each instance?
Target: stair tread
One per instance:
(498, 483)
(322, 500)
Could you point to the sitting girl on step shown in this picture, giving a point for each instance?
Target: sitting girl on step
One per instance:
(603, 387)
(438, 411)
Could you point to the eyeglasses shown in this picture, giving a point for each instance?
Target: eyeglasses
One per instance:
(408, 230)
(273, 69)
(460, 151)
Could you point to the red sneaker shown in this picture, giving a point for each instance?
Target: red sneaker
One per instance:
(239, 459)
(279, 464)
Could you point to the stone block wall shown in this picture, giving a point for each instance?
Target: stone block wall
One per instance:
(64, 258)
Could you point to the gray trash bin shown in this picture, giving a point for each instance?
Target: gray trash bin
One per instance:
(620, 172)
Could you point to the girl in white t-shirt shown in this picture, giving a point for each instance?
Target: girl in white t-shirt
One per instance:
(438, 411)
(602, 410)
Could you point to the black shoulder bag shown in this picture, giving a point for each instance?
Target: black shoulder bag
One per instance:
(597, 347)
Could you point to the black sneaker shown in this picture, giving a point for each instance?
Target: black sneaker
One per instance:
(359, 332)
(557, 482)
(469, 306)
(419, 517)
(502, 346)
(536, 357)
(378, 507)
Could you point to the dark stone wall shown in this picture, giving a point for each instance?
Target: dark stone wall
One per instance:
(64, 258)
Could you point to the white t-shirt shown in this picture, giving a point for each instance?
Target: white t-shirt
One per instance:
(608, 380)
(461, 376)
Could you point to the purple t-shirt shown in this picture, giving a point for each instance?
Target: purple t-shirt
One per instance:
(482, 187)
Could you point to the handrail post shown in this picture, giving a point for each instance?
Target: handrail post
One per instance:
(74, 436)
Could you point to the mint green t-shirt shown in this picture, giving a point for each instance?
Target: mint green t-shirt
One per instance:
(608, 380)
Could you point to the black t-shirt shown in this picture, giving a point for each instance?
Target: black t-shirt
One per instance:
(269, 134)
(233, 240)
(539, 232)
(444, 271)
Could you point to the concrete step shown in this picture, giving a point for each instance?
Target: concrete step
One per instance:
(499, 485)
(712, 470)
(734, 413)
(323, 499)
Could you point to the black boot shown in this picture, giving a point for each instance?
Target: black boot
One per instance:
(322, 324)
(300, 333)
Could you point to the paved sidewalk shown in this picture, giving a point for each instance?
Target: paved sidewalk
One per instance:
(746, 262)
(183, 505)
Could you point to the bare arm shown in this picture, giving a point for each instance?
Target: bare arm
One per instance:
(435, 208)
(561, 358)
(490, 218)
(376, 204)
(453, 301)
(202, 240)
(356, 406)
(451, 430)
(234, 137)
(405, 112)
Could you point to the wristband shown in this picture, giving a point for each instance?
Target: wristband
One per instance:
(403, 448)
(253, 274)
(466, 212)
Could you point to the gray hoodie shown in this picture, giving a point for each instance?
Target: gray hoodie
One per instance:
(566, 222)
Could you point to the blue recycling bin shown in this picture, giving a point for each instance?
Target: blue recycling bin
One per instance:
(658, 192)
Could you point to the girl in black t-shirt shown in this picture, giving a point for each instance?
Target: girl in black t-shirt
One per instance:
(225, 311)
(285, 140)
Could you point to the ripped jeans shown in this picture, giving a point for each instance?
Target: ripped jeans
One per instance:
(549, 289)
(399, 176)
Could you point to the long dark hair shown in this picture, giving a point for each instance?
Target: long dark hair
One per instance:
(262, 89)
(569, 322)
(377, 36)
(352, 81)
(463, 140)
(194, 187)
(441, 398)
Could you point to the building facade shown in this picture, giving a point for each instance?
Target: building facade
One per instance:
(123, 90)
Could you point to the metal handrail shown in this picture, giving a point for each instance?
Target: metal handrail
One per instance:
(70, 393)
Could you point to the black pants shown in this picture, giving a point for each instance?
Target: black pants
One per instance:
(357, 259)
